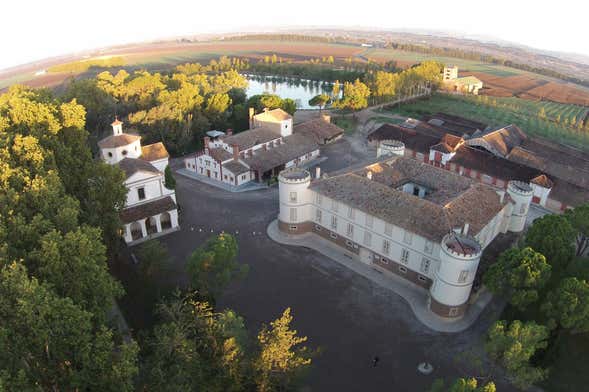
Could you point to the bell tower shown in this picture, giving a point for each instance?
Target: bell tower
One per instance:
(117, 126)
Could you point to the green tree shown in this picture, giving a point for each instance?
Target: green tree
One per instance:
(320, 100)
(74, 263)
(514, 345)
(154, 263)
(49, 343)
(195, 348)
(579, 220)
(213, 266)
(169, 180)
(289, 105)
(519, 275)
(568, 305)
(553, 236)
(355, 96)
(281, 359)
(462, 385)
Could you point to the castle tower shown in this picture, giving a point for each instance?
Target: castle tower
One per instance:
(459, 260)
(295, 201)
(390, 147)
(521, 193)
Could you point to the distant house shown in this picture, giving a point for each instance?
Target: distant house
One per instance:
(466, 84)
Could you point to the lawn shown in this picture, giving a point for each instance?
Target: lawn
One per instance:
(498, 112)
(347, 123)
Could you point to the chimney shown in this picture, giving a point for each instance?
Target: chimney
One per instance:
(317, 172)
(369, 175)
(229, 132)
(207, 140)
(235, 148)
(251, 117)
(465, 229)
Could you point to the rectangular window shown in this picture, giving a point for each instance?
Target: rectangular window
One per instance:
(318, 198)
(293, 214)
(334, 222)
(402, 269)
(425, 263)
(369, 220)
(429, 247)
(408, 237)
(141, 193)
(367, 238)
(350, 230)
(388, 229)
(334, 205)
(293, 197)
(318, 215)
(404, 256)
(351, 213)
(386, 247)
(462, 277)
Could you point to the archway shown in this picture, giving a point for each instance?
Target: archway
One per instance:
(150, 225)
(166, 220)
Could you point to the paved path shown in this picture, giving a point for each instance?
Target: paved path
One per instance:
(415, 296)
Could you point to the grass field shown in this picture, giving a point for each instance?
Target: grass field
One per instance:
(503, 111)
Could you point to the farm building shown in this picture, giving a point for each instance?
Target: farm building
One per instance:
(425, 224)
(269, 146)
(466, 84)
(150, 209)
(558, 175)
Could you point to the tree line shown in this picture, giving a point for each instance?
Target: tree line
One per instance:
(59, 224)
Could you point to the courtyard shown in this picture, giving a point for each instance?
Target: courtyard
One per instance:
(345, 315)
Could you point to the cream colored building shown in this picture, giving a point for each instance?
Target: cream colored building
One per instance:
(150, 209)
(466, 84)
(408, 218)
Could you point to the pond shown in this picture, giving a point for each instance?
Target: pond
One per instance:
(299, 90)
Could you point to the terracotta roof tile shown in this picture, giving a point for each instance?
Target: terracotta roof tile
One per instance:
(131, 166)
(145, 210)
(154, 152)
(114, 141)
(318, 129)
(248, 139)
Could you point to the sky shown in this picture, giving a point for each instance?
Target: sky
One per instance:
(34, 30)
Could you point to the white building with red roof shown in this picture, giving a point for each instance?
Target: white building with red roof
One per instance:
(150, 209)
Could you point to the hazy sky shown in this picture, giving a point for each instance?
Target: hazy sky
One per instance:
(33, 30)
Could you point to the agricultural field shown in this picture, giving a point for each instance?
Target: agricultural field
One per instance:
(503, 111)
(499, 81)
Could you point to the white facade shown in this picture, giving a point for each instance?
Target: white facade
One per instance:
(376, 241)
(150, 208)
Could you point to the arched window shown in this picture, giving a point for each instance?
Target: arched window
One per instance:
(110, 154)
(124, 152)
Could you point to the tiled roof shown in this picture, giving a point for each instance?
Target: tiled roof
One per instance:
(154, 152)
(131, 166)
(273, 115)
(412, 138)
(248, 139)
(148, 209)
(114, 141)
(236, 167)
(543, 181)
(467, 80)
(319, 129)
(293, 146)
(461, 201)
(220, 154)
(455, 125)
(500, 141)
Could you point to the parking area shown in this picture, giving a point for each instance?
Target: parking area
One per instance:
(344, 314)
